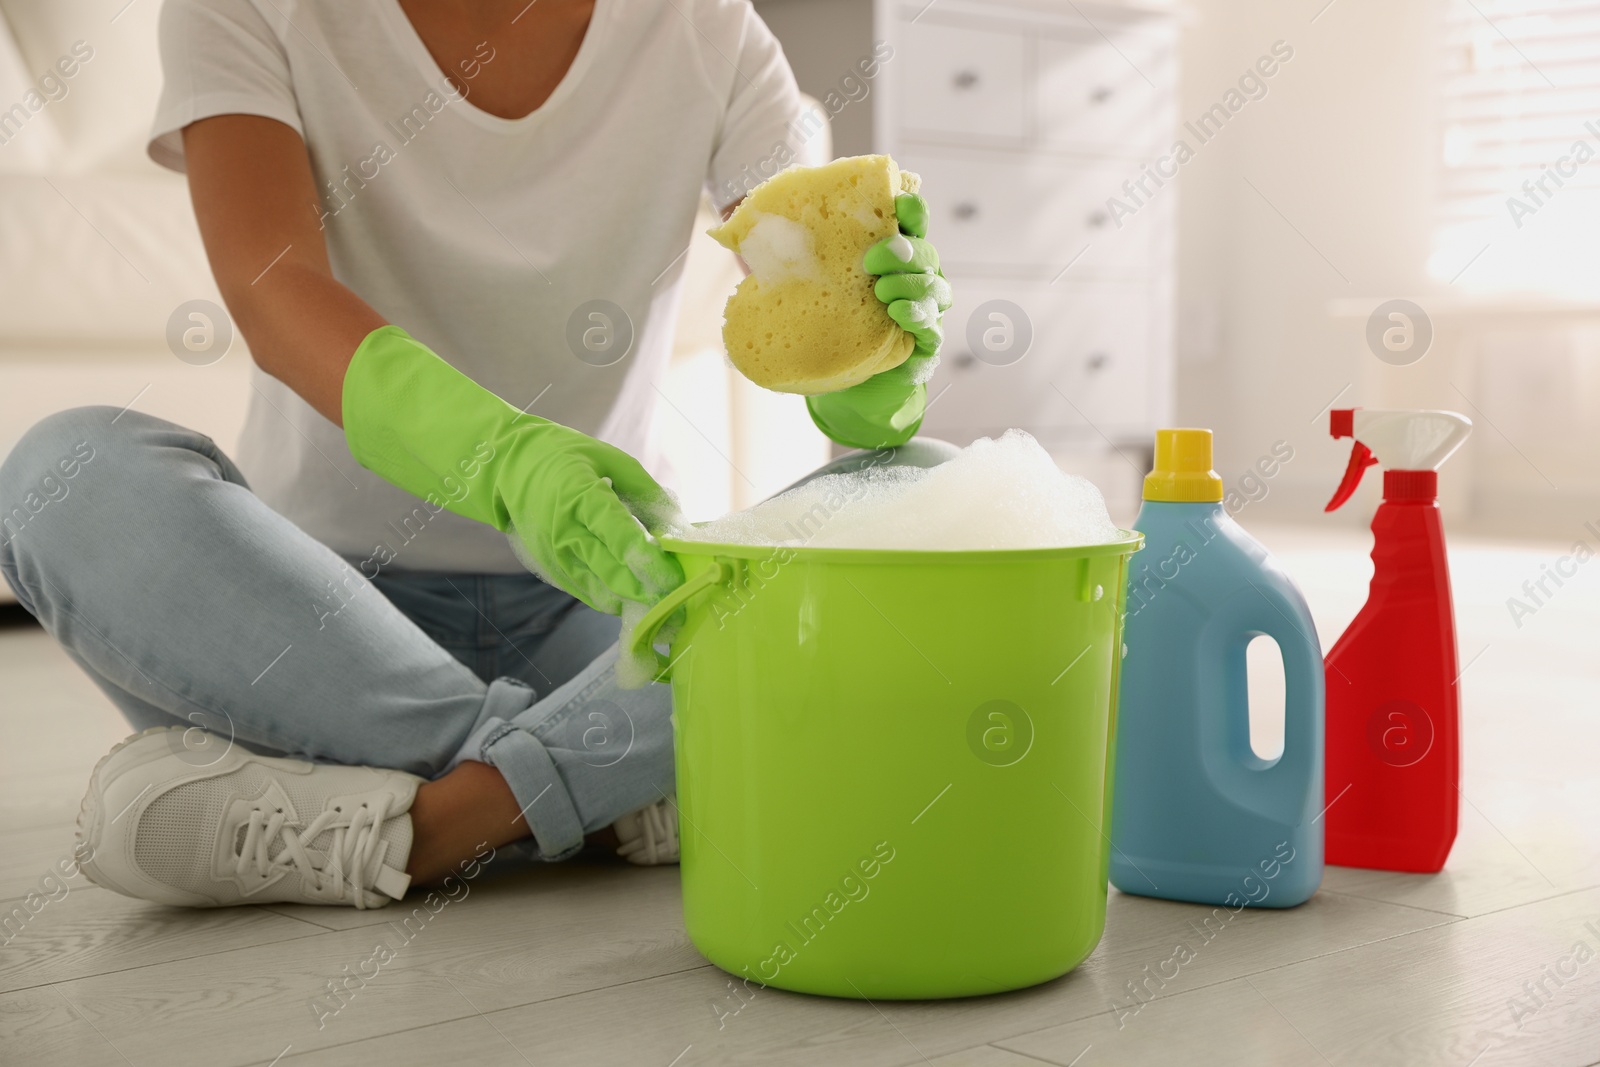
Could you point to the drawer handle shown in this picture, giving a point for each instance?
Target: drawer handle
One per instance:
(1096, 362)
(965, 210)
(1100, 94)
(965, 79)
(1097, 219)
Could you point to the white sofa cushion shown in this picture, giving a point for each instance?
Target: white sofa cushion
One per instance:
(102, 258)
(102, 119)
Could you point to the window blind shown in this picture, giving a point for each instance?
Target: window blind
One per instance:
(1518, 200)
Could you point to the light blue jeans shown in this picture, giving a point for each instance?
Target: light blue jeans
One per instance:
(141, 549)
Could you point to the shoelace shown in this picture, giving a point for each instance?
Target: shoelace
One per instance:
(348, 857)
(658, 825)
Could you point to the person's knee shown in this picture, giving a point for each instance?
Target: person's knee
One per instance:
(45, 463)
(57, 446)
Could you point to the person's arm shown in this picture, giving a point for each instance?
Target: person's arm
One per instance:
(572, 504)
(257, 205)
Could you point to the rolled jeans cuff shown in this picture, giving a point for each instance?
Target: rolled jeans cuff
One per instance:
(539, 790)
(530, 771)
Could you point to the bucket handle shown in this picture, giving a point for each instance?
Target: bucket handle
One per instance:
(642, 641)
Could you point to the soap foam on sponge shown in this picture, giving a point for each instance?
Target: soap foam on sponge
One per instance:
(806, 319)
(996, 494)
(779, 250)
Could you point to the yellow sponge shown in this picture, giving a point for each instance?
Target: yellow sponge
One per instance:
(806, 320)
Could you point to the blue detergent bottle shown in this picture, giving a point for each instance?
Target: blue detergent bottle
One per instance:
(1196, 814)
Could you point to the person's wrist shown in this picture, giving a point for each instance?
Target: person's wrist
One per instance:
(886, 416)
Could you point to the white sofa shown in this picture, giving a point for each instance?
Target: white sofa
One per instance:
(97, 244)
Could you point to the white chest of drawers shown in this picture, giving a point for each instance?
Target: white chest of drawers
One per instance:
(1023, 117)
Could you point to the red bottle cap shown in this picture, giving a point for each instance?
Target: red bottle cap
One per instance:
(1410, 485)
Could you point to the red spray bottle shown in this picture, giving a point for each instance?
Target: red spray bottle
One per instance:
(1393, 715)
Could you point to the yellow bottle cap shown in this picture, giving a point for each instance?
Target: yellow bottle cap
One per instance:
(1183, 471)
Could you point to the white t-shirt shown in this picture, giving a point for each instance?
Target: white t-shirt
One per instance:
(489, 239)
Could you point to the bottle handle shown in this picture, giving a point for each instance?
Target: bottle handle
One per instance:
(1303, 681)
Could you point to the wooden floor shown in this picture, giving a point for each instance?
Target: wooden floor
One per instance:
(1495, 961)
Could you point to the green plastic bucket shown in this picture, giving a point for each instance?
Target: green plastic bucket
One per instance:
(892, 767)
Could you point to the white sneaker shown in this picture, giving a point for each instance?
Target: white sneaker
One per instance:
(167, 819)
(649, 836)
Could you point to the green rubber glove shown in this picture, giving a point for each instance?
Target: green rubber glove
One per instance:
(571, 503)
(886, 410)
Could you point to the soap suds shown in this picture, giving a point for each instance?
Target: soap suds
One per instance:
(634, 670)
(778, 249)
(996, 494)
(924, 311)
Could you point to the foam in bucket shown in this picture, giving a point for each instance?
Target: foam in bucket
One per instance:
(996, 494)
